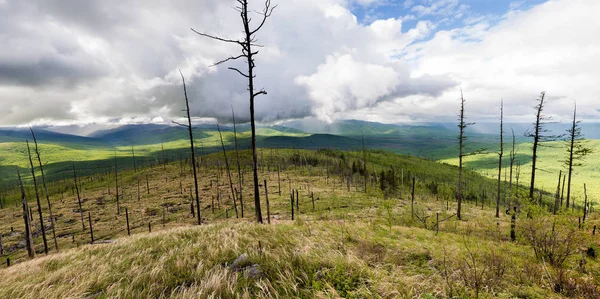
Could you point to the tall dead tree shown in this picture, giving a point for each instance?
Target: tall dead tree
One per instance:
(26, 219)
(117, 183)
(133, 157)
(540, 134)
(52, 220)
(239, 168)
(228, 172)
(190, 130)
(500, 154)
(513, 156)
(576, 151)
(37, 198)
(364, 160)
(78, 197)
(462, 125)
(247, 43)
(164, 161)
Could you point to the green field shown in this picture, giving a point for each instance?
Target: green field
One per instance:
(549, 167)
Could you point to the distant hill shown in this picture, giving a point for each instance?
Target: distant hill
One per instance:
(144, 134)
(22, 134)
(315, 141)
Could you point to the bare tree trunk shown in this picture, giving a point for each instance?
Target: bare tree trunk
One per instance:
(364, 160)
(228, 172)
(117, 183)
(247, 43)
(461, 139)
(78, 197)
(585, 202)
(500, 159)
(53, 221)
(267, 200)
(512, 162)
(164, 161)
(239, 168)
(189, 127)
(557, 196)
(91, 228)
(572, 137)
(37, 198)
(26, 219)
(133, 156)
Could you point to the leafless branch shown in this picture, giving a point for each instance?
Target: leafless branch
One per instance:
(180, 124)
(240, 72)
(265, 14)
(216, 37)
(260, 92)
(229, 59)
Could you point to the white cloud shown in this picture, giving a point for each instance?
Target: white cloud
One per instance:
(101, 60)
(552, 47)
(120, 59)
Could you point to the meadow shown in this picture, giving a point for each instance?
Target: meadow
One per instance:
(347, 242)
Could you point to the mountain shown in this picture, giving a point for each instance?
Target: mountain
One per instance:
(22, 134)
(143, 134)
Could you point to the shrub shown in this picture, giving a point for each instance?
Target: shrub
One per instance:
(553, 243)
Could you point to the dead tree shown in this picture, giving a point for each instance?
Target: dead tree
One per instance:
(540, 134)
(190, 129)
(239, 168)
(557, 195)
(37, 198)
(28, 236)
(461, 153)
(268, 206)
(133, 157)
(78, 197)
(228, 172)
(585, 203)
(364, 160)
(52, 220)
(576, 151)
(164, 161)
(500, 158)
(117, 183)
(247, 43)
(513, 155)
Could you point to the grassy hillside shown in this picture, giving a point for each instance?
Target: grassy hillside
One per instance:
(351, 244)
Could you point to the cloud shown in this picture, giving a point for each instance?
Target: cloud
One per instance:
(551, 47)
(69, 61)
(114, 59)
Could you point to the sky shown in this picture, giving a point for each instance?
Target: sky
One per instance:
(393, 61)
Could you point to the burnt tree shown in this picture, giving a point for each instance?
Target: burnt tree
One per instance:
(228, 172)
(540, 134)
(26, 219)
(500, 154)
(193, 161)
(247, 43)
(53, 221)
(576, 151)
(37, 198)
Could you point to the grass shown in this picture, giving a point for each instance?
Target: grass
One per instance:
(549, 166)
(353, 244)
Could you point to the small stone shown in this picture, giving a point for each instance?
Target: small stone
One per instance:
(238, 261)
(253, 271)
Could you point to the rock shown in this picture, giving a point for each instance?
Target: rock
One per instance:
(253, 271)
(238, 262)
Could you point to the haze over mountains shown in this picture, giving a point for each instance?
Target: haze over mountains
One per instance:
(429, 140)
